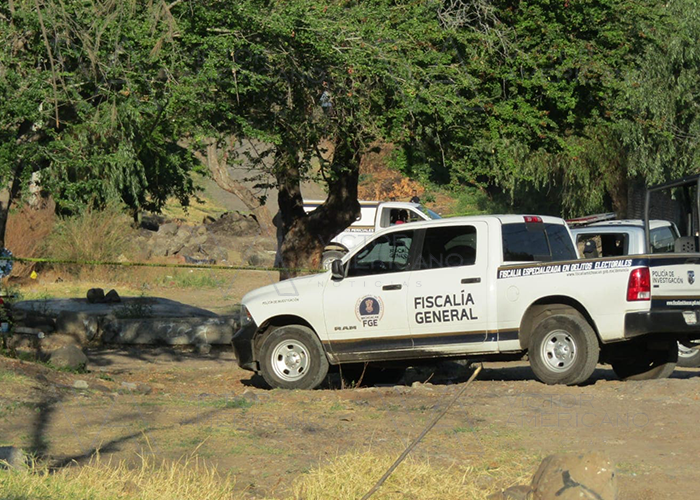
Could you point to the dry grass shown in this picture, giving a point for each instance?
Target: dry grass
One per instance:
(26, 232)
(353, 475)
(188, 478)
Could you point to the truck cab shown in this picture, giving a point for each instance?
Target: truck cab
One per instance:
(374, 216)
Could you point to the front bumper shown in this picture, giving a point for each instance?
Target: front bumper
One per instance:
(243, 347)
(670, 322)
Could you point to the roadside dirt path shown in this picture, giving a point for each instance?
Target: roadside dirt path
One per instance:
(171, 403)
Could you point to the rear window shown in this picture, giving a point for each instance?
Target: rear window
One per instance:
(603, 244)
(532, 242)
(663, 240)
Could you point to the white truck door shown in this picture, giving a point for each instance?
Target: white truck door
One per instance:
(366, 311)
(448, 310)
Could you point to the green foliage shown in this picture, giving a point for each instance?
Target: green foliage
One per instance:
(86, 98)
(536, 105)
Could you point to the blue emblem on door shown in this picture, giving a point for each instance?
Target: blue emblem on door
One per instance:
(691, 277)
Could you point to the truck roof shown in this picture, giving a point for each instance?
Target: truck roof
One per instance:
(624, 223)
(503, 219)
(365, 203)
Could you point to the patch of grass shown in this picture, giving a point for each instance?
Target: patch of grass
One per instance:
(152, 480)
(193, 278)
(352, 475)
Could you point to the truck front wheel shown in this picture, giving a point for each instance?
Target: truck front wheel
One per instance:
(563, 350)
(647, 361)
(292, 357)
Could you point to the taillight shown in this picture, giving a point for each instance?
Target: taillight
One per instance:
(532, 219)
(639, 285)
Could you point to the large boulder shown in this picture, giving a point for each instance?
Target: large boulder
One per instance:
(575, 477)
(234, 224)
(70, 357)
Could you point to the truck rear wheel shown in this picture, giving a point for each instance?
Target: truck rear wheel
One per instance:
(563, 350)
(292, 357)
(648, 363)
(688, 355)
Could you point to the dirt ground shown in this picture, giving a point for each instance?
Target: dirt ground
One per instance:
(171, 403)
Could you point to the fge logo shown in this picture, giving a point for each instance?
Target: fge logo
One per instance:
(369, 310)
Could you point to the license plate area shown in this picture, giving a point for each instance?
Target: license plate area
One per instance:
(690, 317)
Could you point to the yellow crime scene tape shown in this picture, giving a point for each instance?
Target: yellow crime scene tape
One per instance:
(37, 260)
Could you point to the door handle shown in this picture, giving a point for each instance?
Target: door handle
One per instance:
(391, 287)
(466, 281)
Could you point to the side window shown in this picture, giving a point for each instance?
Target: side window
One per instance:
(530, 242)
(387, 254)
(448, 247)
(662, 240)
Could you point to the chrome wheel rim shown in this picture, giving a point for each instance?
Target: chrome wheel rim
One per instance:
(290, 360)
(559, 351)
(686, 352)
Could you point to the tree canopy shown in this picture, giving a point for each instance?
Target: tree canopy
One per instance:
(552, 105)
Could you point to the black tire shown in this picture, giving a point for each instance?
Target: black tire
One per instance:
(563, 349)
(292, 357)
(688, 356)
(648, 362)
(329, 256)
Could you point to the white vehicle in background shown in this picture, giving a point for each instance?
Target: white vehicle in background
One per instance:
(597, 236)
(374, 216)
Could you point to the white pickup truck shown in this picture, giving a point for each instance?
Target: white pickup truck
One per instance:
(616, 238)
(374, 216)
(475, 287)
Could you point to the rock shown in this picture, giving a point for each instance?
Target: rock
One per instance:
(235, 224)
(521, 492)
(12, 458)
(152, 222)
(82, 326)
(112, 297)
(71, 357)
(169, 229)
(95, 295)
(575, 476)
(172, 331)
(136, 388)
(203, 348)
(55, 341)
(80, 384)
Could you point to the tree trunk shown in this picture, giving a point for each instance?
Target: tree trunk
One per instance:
(303, 237)
(5, 205)
(222, 178)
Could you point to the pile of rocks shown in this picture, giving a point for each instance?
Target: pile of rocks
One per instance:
(207, 243)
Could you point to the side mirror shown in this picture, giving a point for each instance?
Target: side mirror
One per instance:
(337, 270)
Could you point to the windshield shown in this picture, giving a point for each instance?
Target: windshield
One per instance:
(428, 212)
